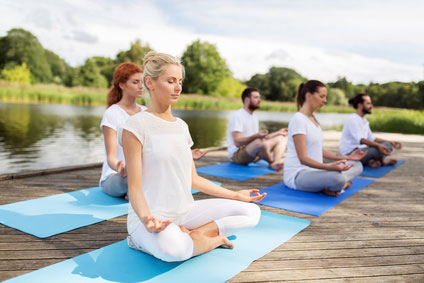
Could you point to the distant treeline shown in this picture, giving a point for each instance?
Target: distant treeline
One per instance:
(23, 59)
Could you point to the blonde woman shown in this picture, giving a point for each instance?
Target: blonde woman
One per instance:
(163, 218)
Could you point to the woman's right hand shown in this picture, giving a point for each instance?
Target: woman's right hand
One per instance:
(155, 225)
(339, 166)
(121, 168)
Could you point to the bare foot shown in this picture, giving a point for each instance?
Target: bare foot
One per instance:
(374, 163)
(389, 161)
(226, 244)
(330, 193)
(126, 197)
(347, 185)
(277, 166)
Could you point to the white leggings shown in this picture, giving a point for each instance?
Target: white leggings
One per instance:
(172, 244)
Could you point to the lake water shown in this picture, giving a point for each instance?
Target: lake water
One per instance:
(40, 136)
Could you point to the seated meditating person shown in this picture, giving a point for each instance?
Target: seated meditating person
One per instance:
(127, 86)
(357, 134)
(163, 218)
(304, 168)
(246, 143)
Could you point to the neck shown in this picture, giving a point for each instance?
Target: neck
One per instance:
(307, 110)
(128, 102)
(161, 110)
(246, 107)
(360, 112)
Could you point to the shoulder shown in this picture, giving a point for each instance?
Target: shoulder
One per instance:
(142, 107)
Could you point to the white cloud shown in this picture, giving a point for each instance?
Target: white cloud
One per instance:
(319, 39)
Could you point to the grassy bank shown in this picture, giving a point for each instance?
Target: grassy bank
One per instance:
(382, 119)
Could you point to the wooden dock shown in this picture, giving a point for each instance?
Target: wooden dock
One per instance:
(377, 235)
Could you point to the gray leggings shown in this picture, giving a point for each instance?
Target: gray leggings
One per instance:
(374, 153)
(313, 180)
(115, 185)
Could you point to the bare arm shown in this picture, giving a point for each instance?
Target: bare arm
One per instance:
(300, 145)
(395, 144)
(239, 140)
(133, 151)
(282, 132)
(206, 186)
(109, 136)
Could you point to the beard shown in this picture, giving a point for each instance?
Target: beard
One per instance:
(253, 107)
(366, 111)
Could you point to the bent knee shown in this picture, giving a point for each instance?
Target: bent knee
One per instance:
(174, 245)
(255, 214)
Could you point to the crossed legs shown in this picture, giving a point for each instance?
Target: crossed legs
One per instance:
(202, 229)
(271, 150)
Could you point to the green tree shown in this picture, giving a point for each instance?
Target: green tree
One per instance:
(20, 46)
(261, 82)
(89, 75)
(19, 74)
(135, 54)
(205, 68)
(58, 66)
(336, 96)
(106, 66)
(229, 87)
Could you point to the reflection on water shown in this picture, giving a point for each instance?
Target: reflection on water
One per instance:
(47, 136)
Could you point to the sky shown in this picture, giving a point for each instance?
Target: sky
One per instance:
(364, 41)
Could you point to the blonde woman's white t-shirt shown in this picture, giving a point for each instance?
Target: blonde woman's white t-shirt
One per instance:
(114, 117)
(166, 166)
(301, 124)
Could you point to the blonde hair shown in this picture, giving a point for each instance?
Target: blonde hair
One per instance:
(154, 64)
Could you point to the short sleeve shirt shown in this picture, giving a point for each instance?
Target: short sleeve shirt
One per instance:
(355, 129)
(166, 166)
(245, 123)
(302, 125)
(114, 117)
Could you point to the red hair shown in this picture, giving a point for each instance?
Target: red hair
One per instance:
(121, 74)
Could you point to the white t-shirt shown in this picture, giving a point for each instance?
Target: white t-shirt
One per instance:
(301, 124)
(244, 122)
(114, 117)
(166, 166)
(355, 129)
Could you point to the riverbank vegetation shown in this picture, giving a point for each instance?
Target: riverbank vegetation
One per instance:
(29, 73)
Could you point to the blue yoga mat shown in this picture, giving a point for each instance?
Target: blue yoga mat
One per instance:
(380, 172)
(194, 191)
(237, 172)
(48, 216)
(280, 196)
(119, 263)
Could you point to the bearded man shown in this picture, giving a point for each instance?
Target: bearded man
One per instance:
(246, 143)
(357, 135)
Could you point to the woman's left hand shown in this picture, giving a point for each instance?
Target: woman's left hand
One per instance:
(246, 195)
(357, 155)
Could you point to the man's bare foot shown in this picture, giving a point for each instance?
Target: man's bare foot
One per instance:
(374, 163)
(226, 244)
(347, 185)
(330, 193)
(389, 161)
(277, 166)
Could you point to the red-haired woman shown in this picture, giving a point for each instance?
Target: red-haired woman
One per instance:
(127, 86)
